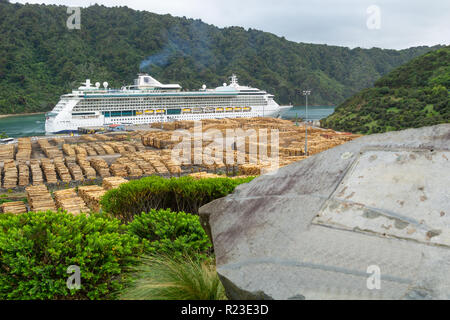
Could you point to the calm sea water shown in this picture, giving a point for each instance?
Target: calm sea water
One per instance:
(314, 113)
(23, 126)
(33, 125)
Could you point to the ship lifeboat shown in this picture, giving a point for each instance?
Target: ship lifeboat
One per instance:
(160, 111)
(246, 108)
(237, 109)
(219, 109)
(187, 110)
(138, 113)
(229, 109)
(149, 111)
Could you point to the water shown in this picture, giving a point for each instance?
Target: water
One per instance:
(314, 112)
(23, 126)
(33, 125)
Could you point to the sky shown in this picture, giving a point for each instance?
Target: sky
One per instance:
(392, 24)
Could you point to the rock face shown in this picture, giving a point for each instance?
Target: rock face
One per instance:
(369, 219)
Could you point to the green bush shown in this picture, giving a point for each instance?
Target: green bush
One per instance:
(178, 194)
(163, 278)
(37, 248)
(171, 233)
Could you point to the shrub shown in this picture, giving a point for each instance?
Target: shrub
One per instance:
(37, 248)
(178, 194)
(171, 233)
(164, 278)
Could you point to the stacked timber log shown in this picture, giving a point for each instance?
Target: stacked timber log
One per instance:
(108, 149)
(36, 172)
(204, 175)
(9, 174)
(23, 149)
(145, 166)
(6, 152)
(68, 149)
(49, 150)
(86, 168)
(172, 165)
(49, 170)
(74, 169)
(24, 174)
(132, 168)
(14, 207)
(62, 170)
(113, 182)
(39, 198)
(99, 149)
(118, 170)
(101, 167)
(91, 196)
(79, 150)
(90, 150)
(69, 201)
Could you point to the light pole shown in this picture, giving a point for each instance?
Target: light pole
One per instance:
(306, 93)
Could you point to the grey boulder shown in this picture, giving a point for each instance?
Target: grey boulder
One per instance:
(369, 219)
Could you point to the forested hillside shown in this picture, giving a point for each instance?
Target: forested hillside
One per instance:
(40, 58)
(413, 95)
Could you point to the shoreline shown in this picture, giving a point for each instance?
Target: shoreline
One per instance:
(19, 114)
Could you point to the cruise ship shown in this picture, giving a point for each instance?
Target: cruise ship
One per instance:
(148, 100)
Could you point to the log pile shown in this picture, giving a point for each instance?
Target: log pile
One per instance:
(23, 149)
(24, 174)
(144, 165)
(69, 201)
(79, 150)
(6, 152)
(68, 150)
(113, 182)
(132, 168)
(74, 169)
(99, 149)
(39, 198)
(86, 168)
(14, 207)
(101, 167)
(9, 174)
(108, 149)
(49, 150)
(49, 170)
(90, 150)
(62, 170)
(91, 196)
(118, 170)
(36, 172)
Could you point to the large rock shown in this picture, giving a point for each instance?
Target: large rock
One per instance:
(321, 228)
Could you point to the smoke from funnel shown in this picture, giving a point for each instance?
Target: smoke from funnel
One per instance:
(198, 47)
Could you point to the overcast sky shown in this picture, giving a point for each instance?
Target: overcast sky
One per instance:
(391, 24)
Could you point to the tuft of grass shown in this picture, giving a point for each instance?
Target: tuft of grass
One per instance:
(161, 277)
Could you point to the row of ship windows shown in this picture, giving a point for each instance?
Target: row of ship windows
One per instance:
(173, 102)
(191, 117)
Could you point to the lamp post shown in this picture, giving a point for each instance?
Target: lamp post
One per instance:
(306, 93)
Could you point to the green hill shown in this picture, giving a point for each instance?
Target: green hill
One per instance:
(40, 58)
(413, 95)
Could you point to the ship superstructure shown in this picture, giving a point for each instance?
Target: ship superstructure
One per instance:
(148, 100)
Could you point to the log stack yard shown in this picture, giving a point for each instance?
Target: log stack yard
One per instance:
(72, 172)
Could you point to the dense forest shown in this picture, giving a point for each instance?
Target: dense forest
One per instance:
(40, 58)
(413, 95)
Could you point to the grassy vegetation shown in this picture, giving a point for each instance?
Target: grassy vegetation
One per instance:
(413, 95)
(155, 254)
(161, 277)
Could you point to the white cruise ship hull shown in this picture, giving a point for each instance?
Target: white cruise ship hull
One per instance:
(150, 101)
